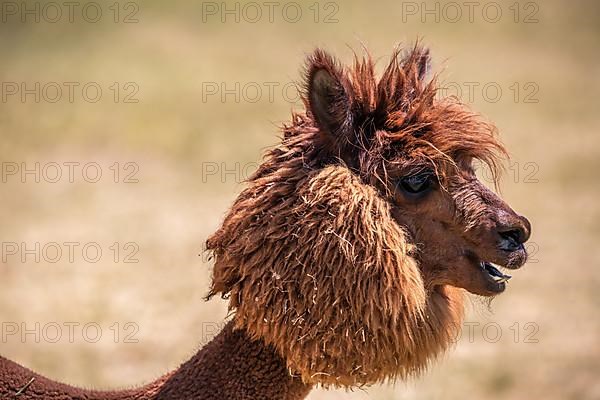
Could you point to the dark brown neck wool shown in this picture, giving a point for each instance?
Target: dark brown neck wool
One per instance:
(232, 366)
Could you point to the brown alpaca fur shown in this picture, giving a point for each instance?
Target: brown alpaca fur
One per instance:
(347, 257)
(328, 279)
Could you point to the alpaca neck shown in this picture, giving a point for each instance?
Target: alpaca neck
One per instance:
(232, 366)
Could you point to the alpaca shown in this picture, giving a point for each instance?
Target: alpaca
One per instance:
(346, 259)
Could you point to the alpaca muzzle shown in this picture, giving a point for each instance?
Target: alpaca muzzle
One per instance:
(511, 254)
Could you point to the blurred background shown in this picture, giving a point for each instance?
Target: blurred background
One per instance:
(128, 128)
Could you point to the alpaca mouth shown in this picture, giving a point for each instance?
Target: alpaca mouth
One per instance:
(496, 279)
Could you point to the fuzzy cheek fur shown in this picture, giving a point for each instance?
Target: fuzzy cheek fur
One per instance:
(320, 270)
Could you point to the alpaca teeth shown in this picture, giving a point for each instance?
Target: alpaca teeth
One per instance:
(494, 273)
(501, 279)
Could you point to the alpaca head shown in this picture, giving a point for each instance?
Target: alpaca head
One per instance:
(419, 152)
(351, 247)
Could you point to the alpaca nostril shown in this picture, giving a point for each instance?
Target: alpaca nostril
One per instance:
(510, 240)
(513, 238)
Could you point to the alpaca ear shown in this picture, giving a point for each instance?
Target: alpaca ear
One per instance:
(327, 94)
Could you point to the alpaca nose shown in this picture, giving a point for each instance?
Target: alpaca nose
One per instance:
(514, 235)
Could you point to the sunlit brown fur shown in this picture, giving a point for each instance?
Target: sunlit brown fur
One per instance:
(318, 267)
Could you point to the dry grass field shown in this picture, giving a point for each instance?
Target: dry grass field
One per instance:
(174, 106)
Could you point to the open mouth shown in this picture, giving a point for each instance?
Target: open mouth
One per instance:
(495, 278)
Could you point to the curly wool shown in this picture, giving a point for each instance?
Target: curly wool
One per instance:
(314, 263)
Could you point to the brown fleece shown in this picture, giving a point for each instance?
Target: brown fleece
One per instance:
(317, 266)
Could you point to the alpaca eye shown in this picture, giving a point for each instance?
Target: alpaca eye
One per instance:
(415, 184)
